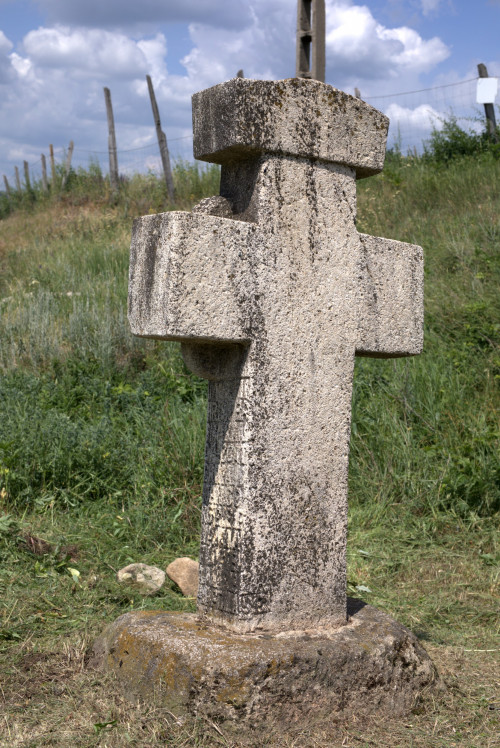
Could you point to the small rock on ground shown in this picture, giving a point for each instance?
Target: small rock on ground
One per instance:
(147, 579)
(184, 572)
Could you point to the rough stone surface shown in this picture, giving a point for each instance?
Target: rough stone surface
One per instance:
(147, 579)
(244, 118)
(184, 572)
(371, 664)
(272, 308)
(214, 206)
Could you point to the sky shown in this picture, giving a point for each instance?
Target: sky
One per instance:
(57, 55)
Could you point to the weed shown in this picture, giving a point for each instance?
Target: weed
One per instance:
(452, 141)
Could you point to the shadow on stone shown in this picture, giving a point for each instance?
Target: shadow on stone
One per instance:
(354, 605)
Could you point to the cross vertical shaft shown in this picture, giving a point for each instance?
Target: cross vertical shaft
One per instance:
(267, 557)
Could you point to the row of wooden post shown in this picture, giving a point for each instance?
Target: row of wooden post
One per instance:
(45, 181)
(113, 154)
(162, 138)
(162, 142)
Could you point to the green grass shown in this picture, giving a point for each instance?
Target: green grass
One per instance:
(442, 407)
(101, 456)
(137, 194)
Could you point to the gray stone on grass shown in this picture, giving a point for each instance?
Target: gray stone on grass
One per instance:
(144, 578)
(184, 572)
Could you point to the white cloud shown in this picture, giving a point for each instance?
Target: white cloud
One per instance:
(81, 52)
(22, 65)
(359, 48)
(409, 128)
(265, 49)
(5, 44)
(5, 62)
(233, 14)
(58, 74)
(417, 54)
(422, 119)
(155, 54)
(428, 6)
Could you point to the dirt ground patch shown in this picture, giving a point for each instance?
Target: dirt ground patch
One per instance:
(51, 699)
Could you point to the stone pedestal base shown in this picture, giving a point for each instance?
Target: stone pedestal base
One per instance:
(372, 664)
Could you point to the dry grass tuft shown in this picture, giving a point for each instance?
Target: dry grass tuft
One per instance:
(50, 699)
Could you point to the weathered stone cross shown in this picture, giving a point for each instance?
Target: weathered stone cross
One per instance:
(272, 292)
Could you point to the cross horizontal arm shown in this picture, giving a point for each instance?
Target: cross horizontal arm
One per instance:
(242, 118)
(392, 307)
(185, 280)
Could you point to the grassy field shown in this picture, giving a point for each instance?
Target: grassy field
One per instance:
(101, 457)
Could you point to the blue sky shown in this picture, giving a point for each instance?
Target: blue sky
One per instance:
(56, 56)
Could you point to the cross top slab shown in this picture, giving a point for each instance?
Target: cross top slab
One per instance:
(272, 292)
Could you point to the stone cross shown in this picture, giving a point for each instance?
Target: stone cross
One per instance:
(310, 39)
(272, 292)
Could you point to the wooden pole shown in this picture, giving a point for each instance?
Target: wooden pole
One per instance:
(304, 39)
(489, 109)
(162, 141)
(53, 175)
(318, 41)
(18, 181)
(113, 154)
(7, 185)
(27, 176)
(67, 165)
(357, 93)
(310, 49)
(45, 184)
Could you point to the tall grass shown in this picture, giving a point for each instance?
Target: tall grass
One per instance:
(90, 413)
(425, 431)
(137, 193)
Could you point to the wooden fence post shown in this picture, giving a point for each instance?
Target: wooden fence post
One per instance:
(162, 141)
(45, 184)
(27, 176)
(67, 165)
(18, 181)
(489, 109)
(53, 175)
(113, 154)
(7, 185)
